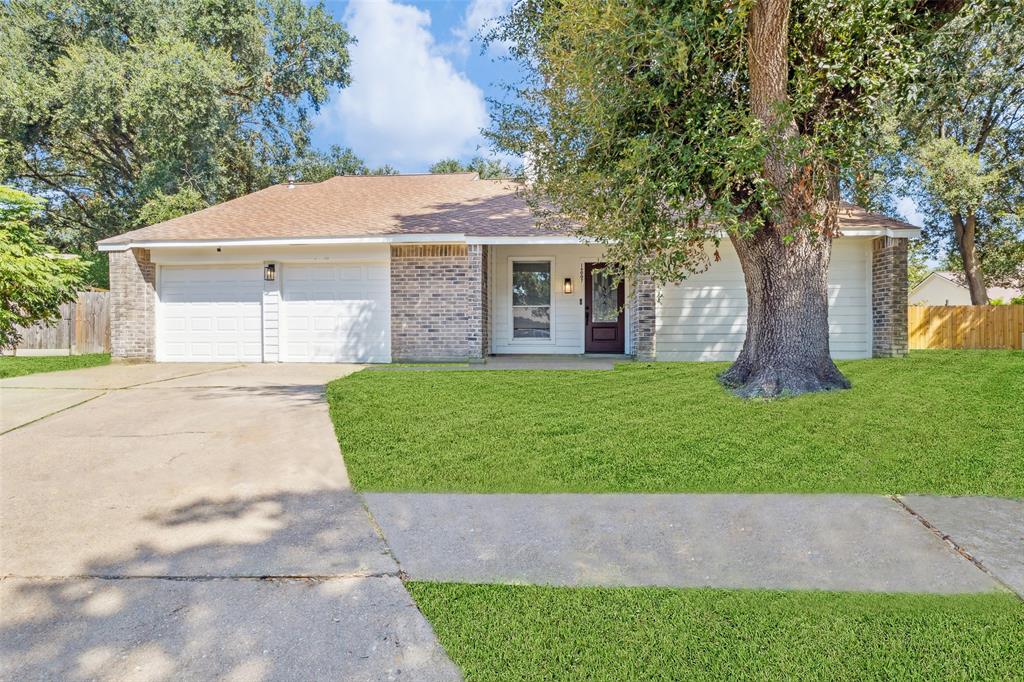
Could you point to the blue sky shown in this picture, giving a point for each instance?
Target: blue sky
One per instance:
(420, 83)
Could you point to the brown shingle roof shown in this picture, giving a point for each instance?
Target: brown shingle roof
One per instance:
(358, 206)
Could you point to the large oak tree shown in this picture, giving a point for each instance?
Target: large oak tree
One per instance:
(658, 127)
(107, 105)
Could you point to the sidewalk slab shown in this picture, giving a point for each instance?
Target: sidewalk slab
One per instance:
(990, 529)
(827, 542)
(340, 629)
(26, 405)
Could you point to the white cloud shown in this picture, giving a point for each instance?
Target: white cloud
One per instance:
(407, 105)
(908, 209)
(478, 20)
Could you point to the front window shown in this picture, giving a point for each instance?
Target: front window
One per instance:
(531, 299)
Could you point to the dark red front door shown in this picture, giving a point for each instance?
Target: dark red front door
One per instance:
(605, 311)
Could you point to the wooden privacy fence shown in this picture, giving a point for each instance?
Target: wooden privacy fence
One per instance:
(84, 327)
(965, 326)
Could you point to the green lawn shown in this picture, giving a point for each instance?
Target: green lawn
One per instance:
(504, 632)
(949, 422)
(15, 366)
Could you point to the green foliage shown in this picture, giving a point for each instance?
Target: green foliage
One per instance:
(962, 139)
(317, 166)
(953, 177)
(637, 122)
(106, 106)
(161, 207)
(34, 278)
(486, 169)
(16, 366)
(445, 166)
(917, 263)
(97, 272)
(671, 428)
(525, 632)
(1017, 300)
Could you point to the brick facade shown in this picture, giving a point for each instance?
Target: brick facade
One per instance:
(641, 305)
(439, 302)
(889, 297)
(132, 305)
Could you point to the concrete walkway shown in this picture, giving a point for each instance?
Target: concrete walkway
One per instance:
(192, 522)
(829, 542)
(603, 362)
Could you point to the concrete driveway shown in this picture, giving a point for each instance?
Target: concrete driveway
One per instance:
(169, 521)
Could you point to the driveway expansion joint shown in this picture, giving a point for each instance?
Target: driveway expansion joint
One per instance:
(63, 409)
(210, 578)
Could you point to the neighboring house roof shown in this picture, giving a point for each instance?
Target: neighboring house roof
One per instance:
(390, 206)
(956, 279)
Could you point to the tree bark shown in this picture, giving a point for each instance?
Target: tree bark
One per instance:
(785, 262)
(966, 231)
(786, 348)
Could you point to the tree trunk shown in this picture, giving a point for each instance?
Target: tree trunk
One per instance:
(965, 232)
(786, 348)
(785, 262)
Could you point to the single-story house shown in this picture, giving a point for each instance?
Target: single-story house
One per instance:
(948, 288)
(447, 267)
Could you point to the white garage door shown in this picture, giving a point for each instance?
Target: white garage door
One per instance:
(335, 313)
(210, 314)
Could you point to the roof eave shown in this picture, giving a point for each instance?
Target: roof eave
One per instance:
(452, 238)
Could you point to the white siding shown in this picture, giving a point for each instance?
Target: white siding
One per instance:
(704, 317)
(937, 290)
(272, 318)
(566, 309)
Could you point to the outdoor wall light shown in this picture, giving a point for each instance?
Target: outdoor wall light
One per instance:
(567, 286)
(268, 272)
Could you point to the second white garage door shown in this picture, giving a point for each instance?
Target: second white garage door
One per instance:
(335, 313)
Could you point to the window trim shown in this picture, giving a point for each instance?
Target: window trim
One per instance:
(513, 339)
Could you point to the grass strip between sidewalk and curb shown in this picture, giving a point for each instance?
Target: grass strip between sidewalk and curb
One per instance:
(517, 632)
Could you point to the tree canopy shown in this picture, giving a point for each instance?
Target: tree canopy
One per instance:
(639, 124)
(655, 128)
(34, 278)
(487, 169)
(108, 105)
(317, 166)
(961, 146)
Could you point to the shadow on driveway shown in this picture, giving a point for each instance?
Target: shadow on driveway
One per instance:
(238, 609)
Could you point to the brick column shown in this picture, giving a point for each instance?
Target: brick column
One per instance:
(132, 305)
(642, 318)
(889, 297)
(479, 256)
(438, 302)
